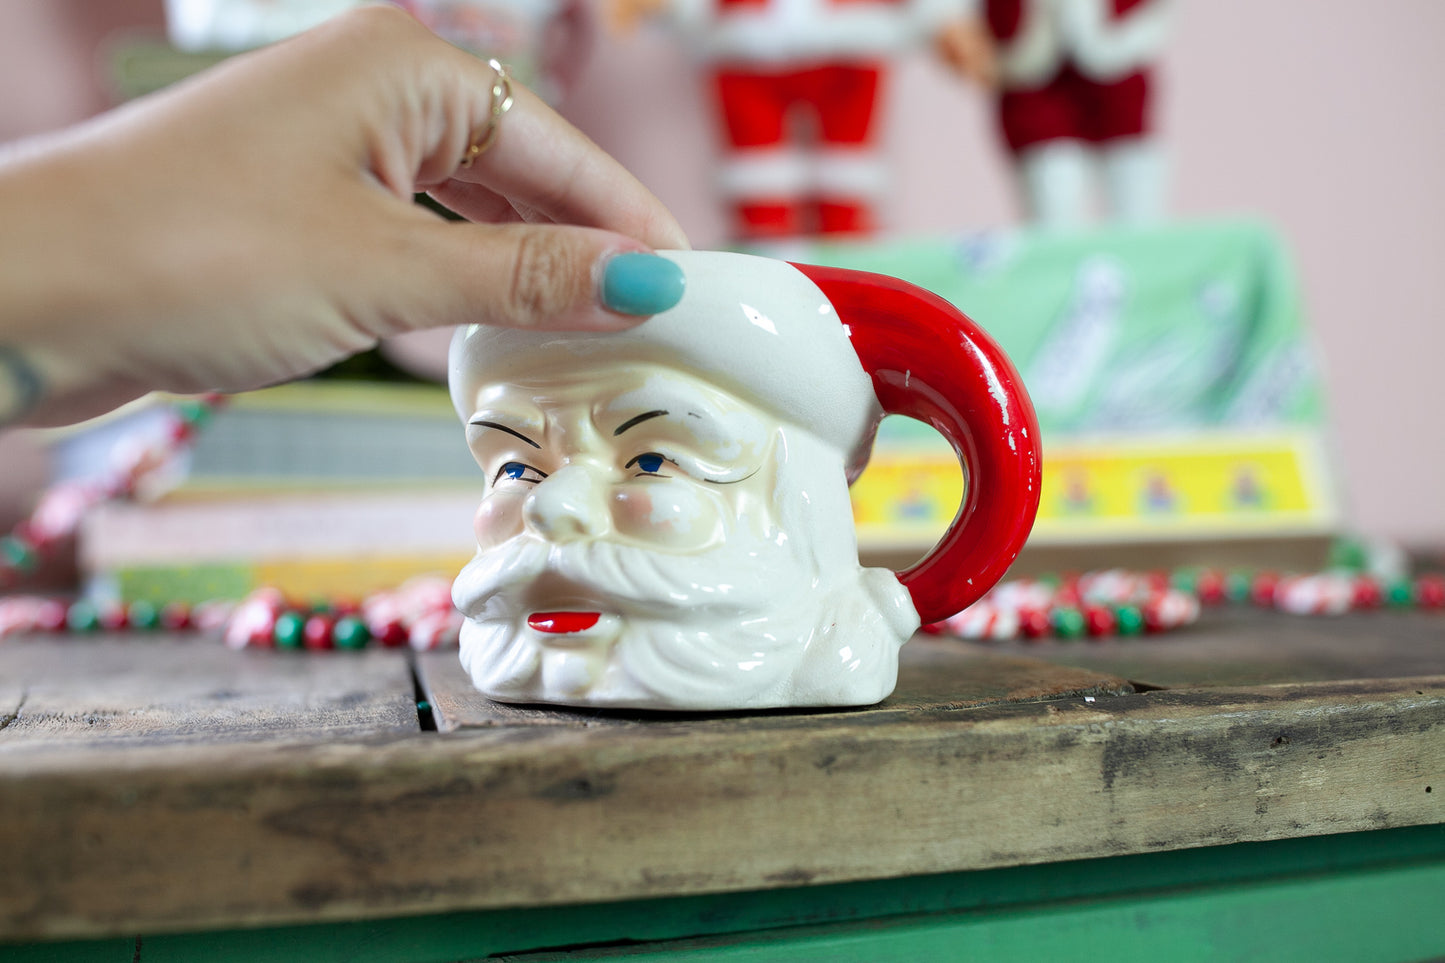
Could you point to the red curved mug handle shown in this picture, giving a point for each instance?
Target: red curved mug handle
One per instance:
(929, 361)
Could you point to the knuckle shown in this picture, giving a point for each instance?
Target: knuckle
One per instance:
(373, 31)
(380, 17)
(542, 280)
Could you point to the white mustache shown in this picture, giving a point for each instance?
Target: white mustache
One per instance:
(625, 579)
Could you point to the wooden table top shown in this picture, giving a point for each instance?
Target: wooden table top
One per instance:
(163, 783)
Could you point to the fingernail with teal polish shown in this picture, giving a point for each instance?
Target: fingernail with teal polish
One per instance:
(637, 283)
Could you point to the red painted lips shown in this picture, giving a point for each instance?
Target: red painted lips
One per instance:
(561, 623)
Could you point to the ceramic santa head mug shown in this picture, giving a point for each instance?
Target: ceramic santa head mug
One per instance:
(666, 523)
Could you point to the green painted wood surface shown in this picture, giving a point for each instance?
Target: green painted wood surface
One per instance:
(1386, 916)
(1359, 896)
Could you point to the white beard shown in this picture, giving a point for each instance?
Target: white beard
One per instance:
(673, 634)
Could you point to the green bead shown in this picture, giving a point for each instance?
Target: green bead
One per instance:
(1068, 623)
(142, 614)
(19, 554)
(1400, 593)
(1129, 620)
(290, 630)
(193, 412)
(1237, 586)
(1184, 579)
(350, 633)
(82, 616)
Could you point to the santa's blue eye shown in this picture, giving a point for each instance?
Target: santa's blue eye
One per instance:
(650, 463)
(518, 471)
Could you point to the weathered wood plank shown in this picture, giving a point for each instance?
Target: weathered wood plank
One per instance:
(1237, 645)
(166, 838)
(126, 690)
(933, 674)
(1232, 646)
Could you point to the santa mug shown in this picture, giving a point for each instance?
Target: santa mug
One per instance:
(666, 521)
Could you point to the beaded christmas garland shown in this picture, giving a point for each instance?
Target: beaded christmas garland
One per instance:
(1118, 603)
(419, 614)
(61, 507)
(1097, 605)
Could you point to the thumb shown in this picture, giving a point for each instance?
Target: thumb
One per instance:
(534, 276)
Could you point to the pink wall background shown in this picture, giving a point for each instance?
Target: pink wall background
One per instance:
(1323, 117)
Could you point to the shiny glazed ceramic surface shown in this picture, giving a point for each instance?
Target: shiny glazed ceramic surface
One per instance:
(666, 522)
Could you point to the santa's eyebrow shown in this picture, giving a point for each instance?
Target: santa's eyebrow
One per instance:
(634, 422)
(511, 431)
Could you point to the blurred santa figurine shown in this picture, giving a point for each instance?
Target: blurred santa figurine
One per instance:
(1075, 83)
(797, 83)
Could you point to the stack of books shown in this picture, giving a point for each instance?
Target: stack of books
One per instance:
(322, 489)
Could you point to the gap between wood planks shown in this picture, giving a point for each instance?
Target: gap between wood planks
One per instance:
(425, 718)
(9, 717)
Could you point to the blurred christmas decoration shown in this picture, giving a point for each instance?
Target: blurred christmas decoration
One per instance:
(1075, 103)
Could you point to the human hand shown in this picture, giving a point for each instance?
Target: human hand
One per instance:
(257, 223)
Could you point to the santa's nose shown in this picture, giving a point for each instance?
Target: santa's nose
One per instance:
(568, 504)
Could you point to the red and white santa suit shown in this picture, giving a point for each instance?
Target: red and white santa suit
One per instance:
(1075, 79)
(797, 83)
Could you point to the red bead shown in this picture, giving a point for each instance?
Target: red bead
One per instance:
(175, 616)
(1098, 621)
(317, 632)
(253, 624)
(113, 617)
(1430, 591)
(390, 633)
(1034, 623)
(1261, 590)
(51, 616)
(1210, 587)
(1367, 593)
(181, 431)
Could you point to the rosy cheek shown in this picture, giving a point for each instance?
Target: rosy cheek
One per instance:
(669, 514)
(498, 519)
